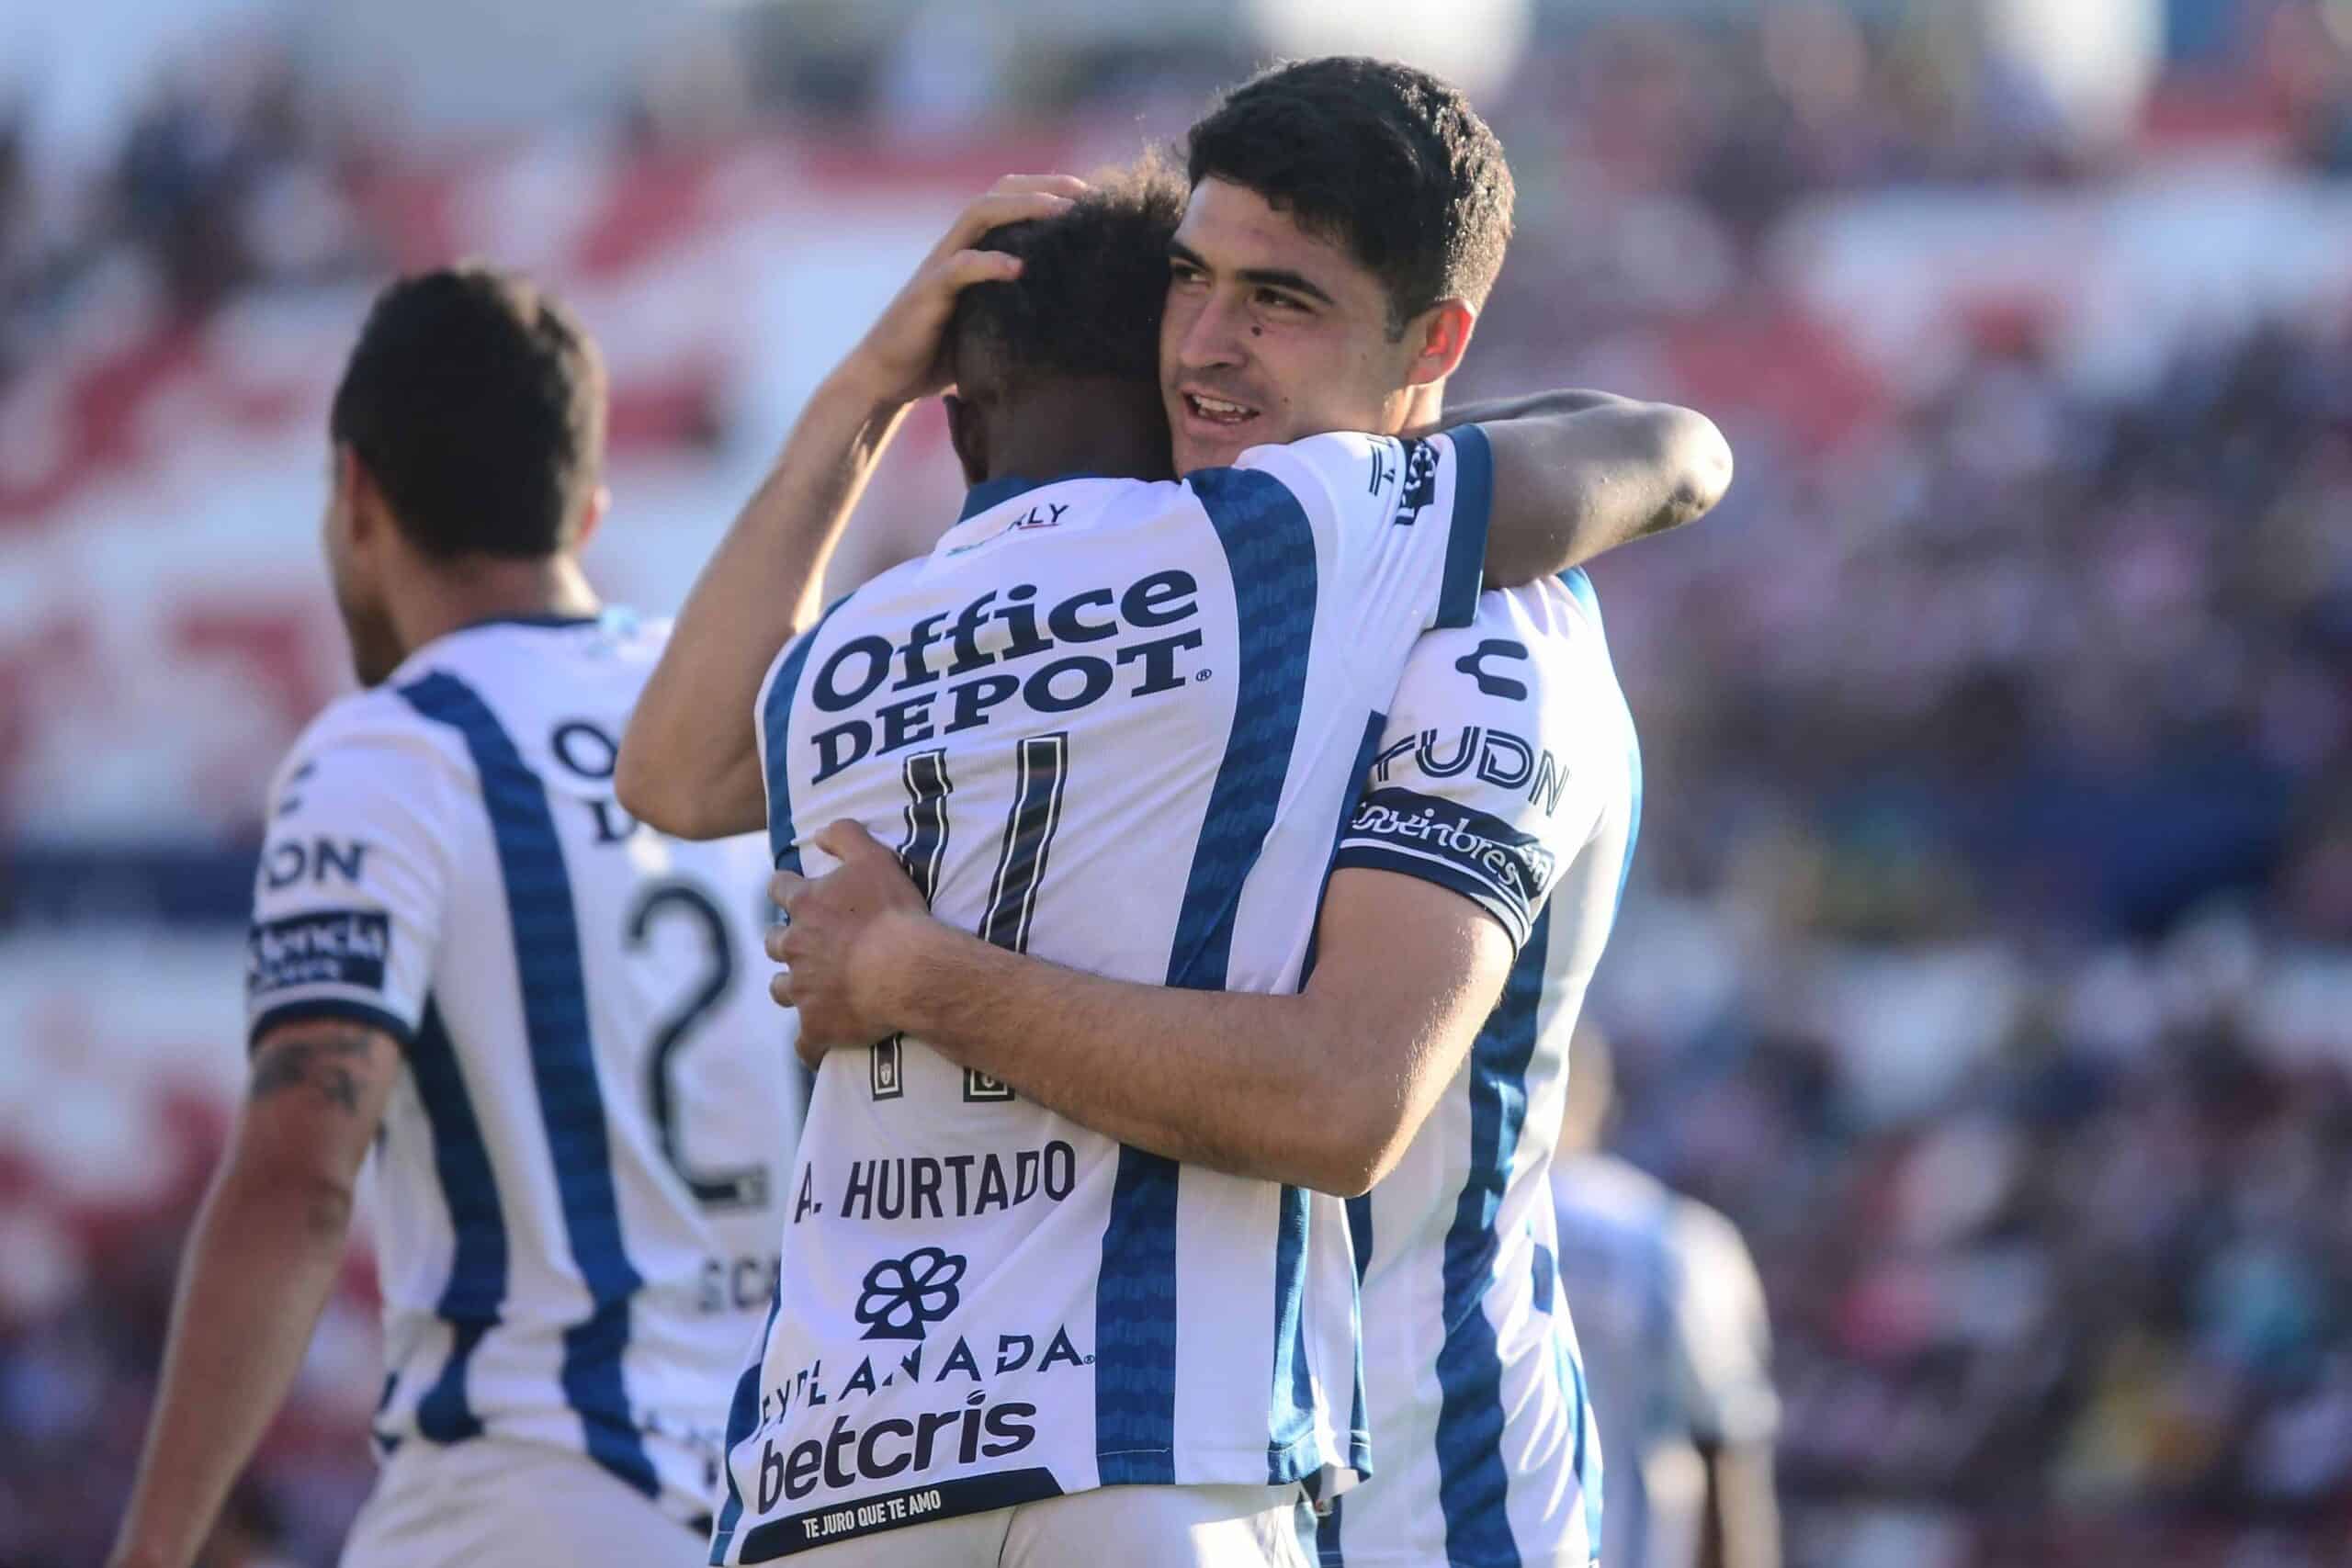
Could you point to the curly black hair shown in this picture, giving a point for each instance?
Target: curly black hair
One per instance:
(1093, 284)
(476, 400)
(1390, 162)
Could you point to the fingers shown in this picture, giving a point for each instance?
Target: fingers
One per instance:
(965, 268)
(784, 887)
(1069, 186)
(848, 841)
(780, 989)
(777, 935)
(999, 208)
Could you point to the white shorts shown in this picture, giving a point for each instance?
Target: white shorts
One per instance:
(488, 1502)
(1133, 1527)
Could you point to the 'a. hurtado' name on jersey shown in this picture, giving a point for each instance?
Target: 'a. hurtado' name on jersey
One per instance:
(954, 664)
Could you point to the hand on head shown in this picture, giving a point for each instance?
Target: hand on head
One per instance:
(902, 358)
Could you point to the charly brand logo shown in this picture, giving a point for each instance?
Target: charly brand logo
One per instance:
(957, 665)
(1491, 683)
(905, 1295)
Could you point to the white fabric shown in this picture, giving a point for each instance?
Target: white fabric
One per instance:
(1672, 1320)
(523, 1175)
(496, 1502)
(1134, 1527)
(1179, 680)
(1507, 772)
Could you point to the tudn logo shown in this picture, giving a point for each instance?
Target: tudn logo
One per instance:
(903, 1295)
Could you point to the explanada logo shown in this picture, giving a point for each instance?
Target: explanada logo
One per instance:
(956, 667)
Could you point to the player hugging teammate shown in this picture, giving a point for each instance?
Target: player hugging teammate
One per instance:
(1190, 881)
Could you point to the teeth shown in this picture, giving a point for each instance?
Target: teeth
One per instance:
(1216, 406)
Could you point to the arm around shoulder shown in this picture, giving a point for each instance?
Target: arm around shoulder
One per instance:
(1571, 486)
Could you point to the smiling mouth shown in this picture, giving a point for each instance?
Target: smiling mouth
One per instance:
(1217, 411)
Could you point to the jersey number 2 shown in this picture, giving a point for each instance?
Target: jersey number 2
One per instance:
(742, 1187)
(1042, 769)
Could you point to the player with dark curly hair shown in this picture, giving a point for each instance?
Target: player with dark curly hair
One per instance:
(1112, 724)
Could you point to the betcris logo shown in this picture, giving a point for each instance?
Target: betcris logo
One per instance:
(955, 669)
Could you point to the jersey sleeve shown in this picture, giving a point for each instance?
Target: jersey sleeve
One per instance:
(1721, 1359)
(347, 899)
(1402, 520)
(1487, 776)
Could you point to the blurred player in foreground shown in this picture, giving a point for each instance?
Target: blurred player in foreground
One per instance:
(1676, 1342)
(1345, 220)
(543, 1017)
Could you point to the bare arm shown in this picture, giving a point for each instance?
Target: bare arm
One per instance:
(1324, 1089)
(265, 1250)
(1576, 474)
(1743, 1520)
(689, 763)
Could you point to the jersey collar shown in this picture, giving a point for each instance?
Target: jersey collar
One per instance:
(995, 492)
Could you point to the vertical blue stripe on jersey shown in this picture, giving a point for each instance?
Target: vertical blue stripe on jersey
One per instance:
(1294, 1401)
(775, 718)
(563, 1069)
(742, 1415)
(1473, 1482)
(477, 1286)
(1270, 554)
(1293, 1424)
(1466, 546)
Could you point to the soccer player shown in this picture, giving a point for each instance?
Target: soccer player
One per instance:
(1345, 218)
(540, 1014)
(1671, 1317)
(1136, 712)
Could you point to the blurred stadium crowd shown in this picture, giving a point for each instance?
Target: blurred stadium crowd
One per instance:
(1990, 952)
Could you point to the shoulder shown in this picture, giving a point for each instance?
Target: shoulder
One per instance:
(1706, 1242)
(1604, 1187)
(359, 727)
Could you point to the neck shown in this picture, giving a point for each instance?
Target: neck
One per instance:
(1424, 407)
(1093, 426)
(484, 588)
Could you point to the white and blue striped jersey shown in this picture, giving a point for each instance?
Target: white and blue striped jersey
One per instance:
(1507, 772)
(577, 1185)
(1676, 1342)
(1113, 724)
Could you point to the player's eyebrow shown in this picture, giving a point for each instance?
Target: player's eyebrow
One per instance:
(1270, 276)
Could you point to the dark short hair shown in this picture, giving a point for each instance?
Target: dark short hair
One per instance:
(476, 400)
(1093, 284)
(1391, 162)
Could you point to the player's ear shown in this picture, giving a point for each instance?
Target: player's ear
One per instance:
(968, 432)
(1441, 336)
(355, 493)
(600, 501)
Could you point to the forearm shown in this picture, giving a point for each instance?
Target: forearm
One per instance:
(265, 1254)
(1559, 401)
(1239, 1083)
(1742, 1528)
(1571, 486)
(689, 763)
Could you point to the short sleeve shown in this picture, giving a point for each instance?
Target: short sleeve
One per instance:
(1403, 520)
(348, 898)
(1487, 776)
(1723, 1344)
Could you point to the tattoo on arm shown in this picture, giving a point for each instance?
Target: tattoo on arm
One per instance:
(324, 1061)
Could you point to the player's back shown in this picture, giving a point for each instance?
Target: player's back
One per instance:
(1508, 771)
(1671, 1323)
(576, 1188)
(1114, 725)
